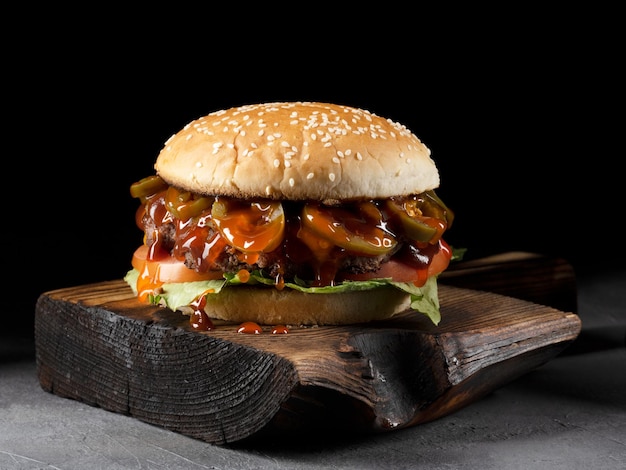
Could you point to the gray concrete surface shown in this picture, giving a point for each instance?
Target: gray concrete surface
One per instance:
(567, 414)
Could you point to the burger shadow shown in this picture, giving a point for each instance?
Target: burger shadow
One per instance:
(312, 441)
(590, 372)
(589, 375)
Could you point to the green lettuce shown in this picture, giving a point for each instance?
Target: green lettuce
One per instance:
(175, 296)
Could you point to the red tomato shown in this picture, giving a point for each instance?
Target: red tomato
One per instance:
(441, 260)
(403, 272)
(167, 269)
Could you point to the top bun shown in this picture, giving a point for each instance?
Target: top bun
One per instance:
(297, 151)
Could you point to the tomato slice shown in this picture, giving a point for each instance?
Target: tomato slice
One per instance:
(357, 231)
(441, 260)
(251, 227)
(168, 269)
(399, 271)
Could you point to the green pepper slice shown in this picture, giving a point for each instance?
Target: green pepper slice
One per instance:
(147, 187)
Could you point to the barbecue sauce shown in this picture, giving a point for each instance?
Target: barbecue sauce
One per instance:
(306, 233)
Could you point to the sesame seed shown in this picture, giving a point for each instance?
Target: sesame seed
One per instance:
(323, 124)
(292, 182)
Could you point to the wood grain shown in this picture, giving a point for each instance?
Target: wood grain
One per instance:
(96, 344)
(529, 276)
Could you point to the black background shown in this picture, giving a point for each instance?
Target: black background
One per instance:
(524, 117)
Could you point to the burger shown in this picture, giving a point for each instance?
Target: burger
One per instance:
(291, 213)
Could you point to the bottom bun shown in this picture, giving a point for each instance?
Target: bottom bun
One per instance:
(267, 306)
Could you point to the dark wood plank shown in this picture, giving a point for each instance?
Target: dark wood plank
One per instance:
(97, 344)
(529, 276)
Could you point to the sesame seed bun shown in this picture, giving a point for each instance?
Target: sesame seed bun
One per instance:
(297, 151)
(303, 151)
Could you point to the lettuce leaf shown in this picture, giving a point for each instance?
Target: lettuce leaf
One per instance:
(179, 295)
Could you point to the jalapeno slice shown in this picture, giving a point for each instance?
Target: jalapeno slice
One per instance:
(184, 205)
(421, 218)
(438, 208)
(147, 187)
(358, 228)
(250, 227)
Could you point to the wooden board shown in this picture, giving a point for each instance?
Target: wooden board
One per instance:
(96, 344)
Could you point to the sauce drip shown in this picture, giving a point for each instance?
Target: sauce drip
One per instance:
(250, 227)
(305, 233)
(250, 328)
(199, 320)
(207, 232)
(280, 330)
(197, 239)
